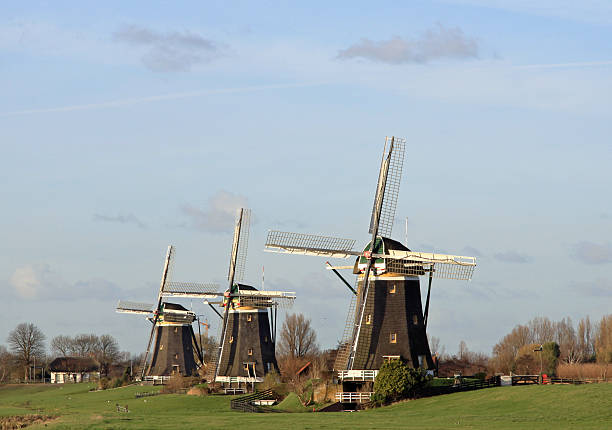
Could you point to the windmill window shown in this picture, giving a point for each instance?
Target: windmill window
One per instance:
(176, 329)
(176, 356)
(161, 347)
(250, 351)
(369, 319)
(393, 338)
(265, 339)
(415, 319)
(392, 289)
(249, 318)
(231, 339)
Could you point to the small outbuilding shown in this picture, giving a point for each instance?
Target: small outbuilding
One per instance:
(74, 369)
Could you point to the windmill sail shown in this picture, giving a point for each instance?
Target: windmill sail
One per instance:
(189, 289)
(388, 190)
(240, 246)
(134, 307)
(310, 244)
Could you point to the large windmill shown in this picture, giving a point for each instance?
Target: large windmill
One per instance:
(386, 320)
(248, 332)
(175, 345)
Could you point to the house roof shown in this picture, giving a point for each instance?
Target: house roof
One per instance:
(74, 364)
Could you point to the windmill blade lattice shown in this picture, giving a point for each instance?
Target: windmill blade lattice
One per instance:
(125, 306)
(441, 266)
(390, 193)
(189, 289)
(310, 244)
(241, 240)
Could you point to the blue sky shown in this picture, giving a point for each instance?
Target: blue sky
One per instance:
(125, 128)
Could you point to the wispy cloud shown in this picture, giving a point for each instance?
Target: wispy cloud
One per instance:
(39, 281)
(513, 257)
(436, 43)
(565, 65)
(156, 98)
(599, 288)
(471, 251)
(219, 215)
(121, 219)
(592, 253)
(169, 52)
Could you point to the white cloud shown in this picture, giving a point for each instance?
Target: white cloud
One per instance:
(513, 257)
(39, 281)
(121, 219)
(169, 52)
(436, 43)
(220, 213)
(592, 253)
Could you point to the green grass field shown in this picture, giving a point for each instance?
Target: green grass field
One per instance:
(542, 407)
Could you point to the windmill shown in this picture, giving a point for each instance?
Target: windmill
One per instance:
(175, 341)
(247, 340)
(386, 320)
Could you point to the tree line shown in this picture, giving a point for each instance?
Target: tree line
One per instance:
(26, 356)
(582, 349)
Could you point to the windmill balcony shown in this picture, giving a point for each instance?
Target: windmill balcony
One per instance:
(157, 380)
(357, 375)
(353, 397)
(238, 379)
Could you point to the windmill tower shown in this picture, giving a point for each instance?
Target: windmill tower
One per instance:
(248, 332)
(175, 346)
(386, 320)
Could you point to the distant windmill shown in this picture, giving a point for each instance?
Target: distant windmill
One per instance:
(175, 342)
(387, 320)
(248, 334)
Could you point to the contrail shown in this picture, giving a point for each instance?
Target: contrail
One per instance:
(172, 96)
(565, 65)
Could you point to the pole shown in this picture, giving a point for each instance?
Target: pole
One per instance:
(342, 278)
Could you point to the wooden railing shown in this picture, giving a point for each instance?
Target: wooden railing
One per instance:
(245, 403)
(353, 397)
(463, 386)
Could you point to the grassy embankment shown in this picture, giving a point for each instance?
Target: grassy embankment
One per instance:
(542, 407)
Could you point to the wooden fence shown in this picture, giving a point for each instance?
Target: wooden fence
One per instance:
(245, 403)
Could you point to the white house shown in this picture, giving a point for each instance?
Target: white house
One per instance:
(74, 369)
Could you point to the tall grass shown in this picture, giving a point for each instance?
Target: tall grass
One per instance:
(585, 370)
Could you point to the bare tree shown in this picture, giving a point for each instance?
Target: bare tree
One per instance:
(603, 340)
(107, 352)
(586, 344)
(463, 350)
(434, 346)
(297, 338)
(62, 346)
(85, 345)
(209, 347)
(27, 342)
(5, 364)
(568, 342)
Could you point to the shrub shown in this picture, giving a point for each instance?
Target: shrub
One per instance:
(550, 357)
(178, 383)
(395, 381)
(103, 383)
